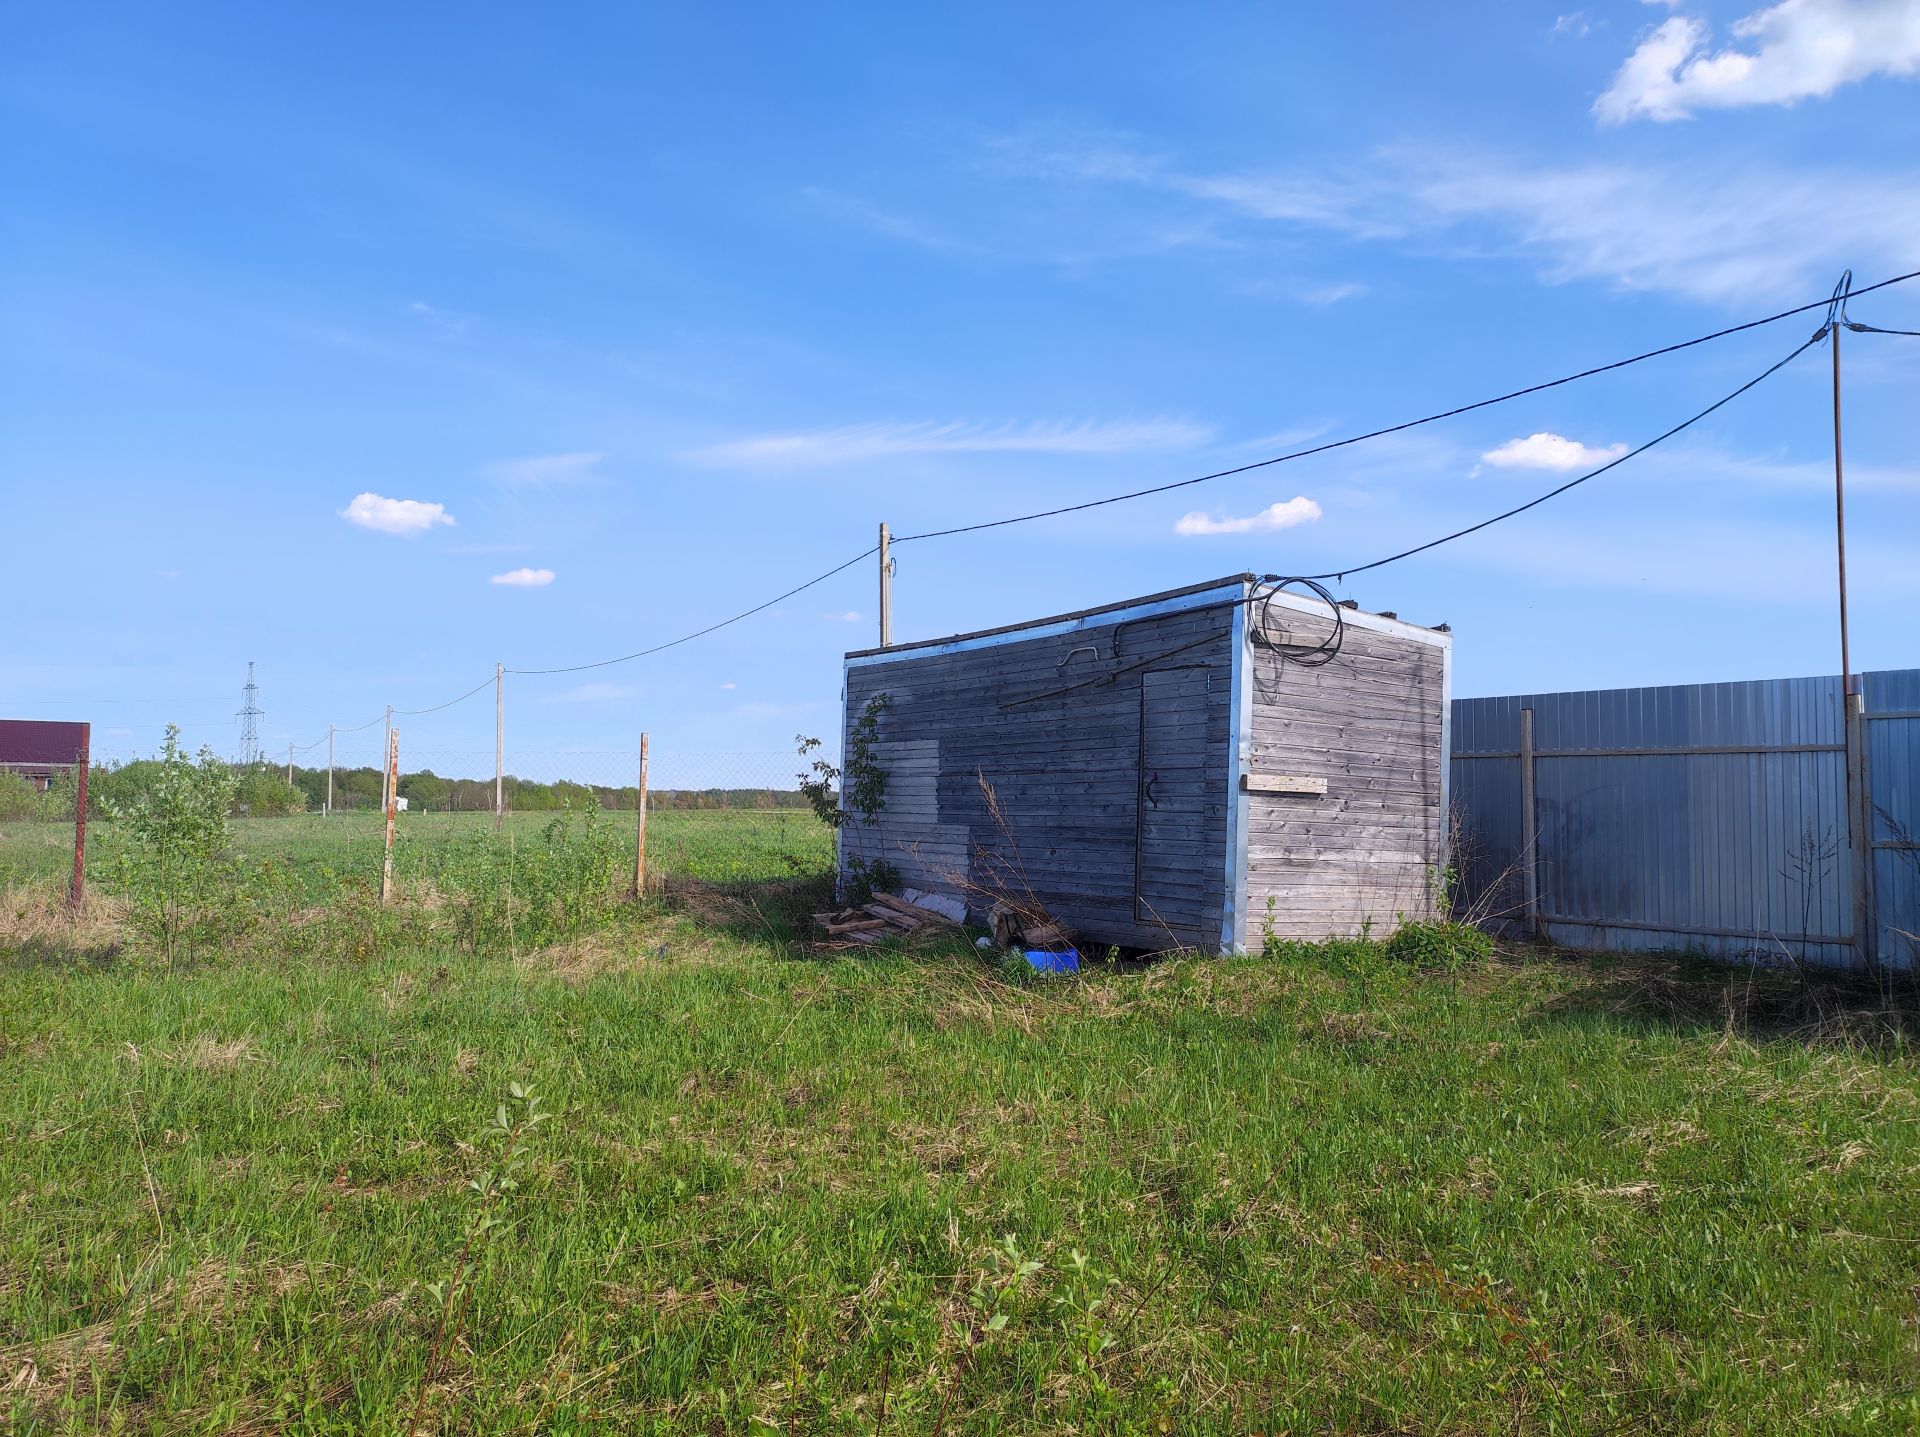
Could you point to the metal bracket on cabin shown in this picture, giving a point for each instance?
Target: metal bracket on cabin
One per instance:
(1093, 649)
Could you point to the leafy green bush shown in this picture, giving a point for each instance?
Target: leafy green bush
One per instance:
(265, 793)
(171, 854)
(1439, 945)
(18, 798)
(521, 897)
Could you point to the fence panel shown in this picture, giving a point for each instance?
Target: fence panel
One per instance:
(1893, 775)
(1703, 816)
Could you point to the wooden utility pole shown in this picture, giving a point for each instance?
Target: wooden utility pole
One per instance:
(499, 745)
(328, 809)
(640, 838)
(77, 884)
(289, 763)
(1852, 701)
(886, 590)
(392, 787)
(385, 795)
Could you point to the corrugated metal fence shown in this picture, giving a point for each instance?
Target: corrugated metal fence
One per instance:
(1703, 816)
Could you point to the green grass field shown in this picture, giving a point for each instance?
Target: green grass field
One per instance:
(711, 845)
(795, 1192)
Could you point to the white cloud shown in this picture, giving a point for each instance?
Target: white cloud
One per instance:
(849, 617)
(524, 578)
(1797, 50)
(1576, 24)
(394, 516)
(544, 469)
(855, 443)
(1298, 510)
(729, 686)
(1550, 451)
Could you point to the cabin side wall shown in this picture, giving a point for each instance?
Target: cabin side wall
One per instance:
(1367, 853)
(1057, 725)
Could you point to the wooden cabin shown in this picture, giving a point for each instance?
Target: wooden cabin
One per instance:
(1195, 768)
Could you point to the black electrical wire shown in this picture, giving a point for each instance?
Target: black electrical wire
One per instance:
(1341, 575)
(1331, 445)
(1308, 656)
(711, 628)
(1859, 328)
(413, 713)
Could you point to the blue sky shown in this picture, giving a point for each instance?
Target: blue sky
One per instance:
(676, 307)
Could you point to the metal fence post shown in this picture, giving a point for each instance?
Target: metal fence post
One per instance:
(1529, 827)
(1865, 925)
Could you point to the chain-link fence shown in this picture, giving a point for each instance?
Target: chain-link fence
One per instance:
(719, 815)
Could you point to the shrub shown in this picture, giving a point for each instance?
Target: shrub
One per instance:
(1439, 945)
(18, 798)
(520, 897)
(265, 793)
(171, 854)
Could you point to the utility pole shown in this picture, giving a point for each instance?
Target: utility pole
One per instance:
(289, 763)
(1840, 512)
(1865, 923)
(640, 837)
(392, 787)
(886, 591)
(328, 809)
(499, 744)
(385, 787)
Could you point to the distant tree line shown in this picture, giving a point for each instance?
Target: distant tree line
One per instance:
(262, 791)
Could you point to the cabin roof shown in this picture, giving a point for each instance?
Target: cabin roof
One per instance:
(1165, 596)
(1067, 618)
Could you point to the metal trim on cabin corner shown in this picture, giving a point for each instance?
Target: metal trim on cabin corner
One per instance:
(1239, 804)
(1228, 592)
(1446, 760)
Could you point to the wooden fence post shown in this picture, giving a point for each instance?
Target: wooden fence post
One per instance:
(77, 886)
(393, 800)
(1529, 827)
(640, 836)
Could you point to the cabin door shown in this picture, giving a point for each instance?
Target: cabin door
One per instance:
(1175, 872)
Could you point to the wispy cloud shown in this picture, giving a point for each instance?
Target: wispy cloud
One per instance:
(857, 443)
(1314, 292)
(1575, 25)
(600, 692)
(1281, 515)
(524, 578)
(849, 616)
(1731, 235)
(448, 322)
(1550, 451)
(1795, 50)
(394, 516)
(541, 470)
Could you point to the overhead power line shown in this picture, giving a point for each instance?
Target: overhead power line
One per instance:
(1340, 575)
(710, 628)
(1401, 427)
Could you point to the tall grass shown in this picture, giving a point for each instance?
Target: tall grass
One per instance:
(1325, 1191)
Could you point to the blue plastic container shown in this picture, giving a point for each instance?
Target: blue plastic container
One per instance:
(1044, 961)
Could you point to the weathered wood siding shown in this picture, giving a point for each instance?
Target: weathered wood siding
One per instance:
(1371, 724)
(1066, 770)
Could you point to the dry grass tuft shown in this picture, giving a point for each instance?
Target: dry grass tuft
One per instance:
(35, 919)
(210, 1055)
